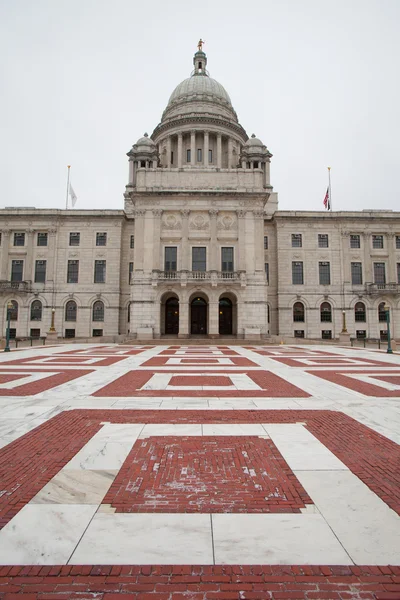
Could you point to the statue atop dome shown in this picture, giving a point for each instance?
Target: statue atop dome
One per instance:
(200, 45)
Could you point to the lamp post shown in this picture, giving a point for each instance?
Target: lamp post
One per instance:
(344, 330)
(9, 309)
(52, 328)
(389, 347)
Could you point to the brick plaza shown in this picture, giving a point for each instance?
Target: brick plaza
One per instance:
(199, 472)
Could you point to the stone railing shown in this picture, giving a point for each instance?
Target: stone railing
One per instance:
(382, 288)
(212, 277)
(15, 286)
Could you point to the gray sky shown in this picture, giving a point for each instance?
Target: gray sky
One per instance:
(316, 80)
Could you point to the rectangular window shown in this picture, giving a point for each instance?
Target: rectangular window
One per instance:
(377, 241)
(130, 272)
(188, 158)
(297, 273)
(97, 332)
(355, 241)
(326, 334)
(266, 267)
(210, 156)
(42, 239)
(397, 242)
(170, 258)
(226, 259)
(132, 242)
(379, 273)
(13, 333)
(40, 271)
(35, 333)
(70, 333)
(74, 239)
(99, 271)
(297, 240)
(324, 273)
(199, 155)
(356, 273)
(19, 239)
(323, 240)
(383, 334)
(17, 269)
(101, 239)
(299, 333)
(73, 271)
(0, 238)
(398, 272)
(361, 334)
(265, 242)
(172, 158)
(198, 259)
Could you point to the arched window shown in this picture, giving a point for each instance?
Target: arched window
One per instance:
(98, 311)
(381, 312)
(13, 311)
(269, 313)
(70, 310)
(298, 312)
(359, 312)
(36, 310)
(326, 312)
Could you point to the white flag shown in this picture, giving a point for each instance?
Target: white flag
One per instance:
(73, 196)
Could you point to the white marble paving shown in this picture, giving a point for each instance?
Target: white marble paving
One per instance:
(71, 486)
(154, 429)
(101, 456)
(234, 429)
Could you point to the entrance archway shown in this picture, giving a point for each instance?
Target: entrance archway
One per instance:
(225, 317)
(198, 316)
(172, 316)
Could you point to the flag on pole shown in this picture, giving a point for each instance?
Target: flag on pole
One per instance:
(327, 200)
(73, 196)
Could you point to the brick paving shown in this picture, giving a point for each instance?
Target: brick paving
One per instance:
(347, 380)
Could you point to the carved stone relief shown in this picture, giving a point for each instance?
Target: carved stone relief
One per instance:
(171, 221)
(227, 222)
(199, 222)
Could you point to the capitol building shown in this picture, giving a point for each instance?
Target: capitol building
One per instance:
(200, 248)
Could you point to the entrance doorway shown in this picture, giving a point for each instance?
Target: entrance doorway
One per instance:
(225, 316)
(172, 316)
(198, 316)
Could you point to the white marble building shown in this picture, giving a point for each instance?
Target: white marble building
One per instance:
(200, 247)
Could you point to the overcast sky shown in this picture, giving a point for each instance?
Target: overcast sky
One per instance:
(316, 80)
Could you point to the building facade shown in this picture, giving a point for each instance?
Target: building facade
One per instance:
(200, 248)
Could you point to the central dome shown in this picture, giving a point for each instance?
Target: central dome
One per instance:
(195, 86)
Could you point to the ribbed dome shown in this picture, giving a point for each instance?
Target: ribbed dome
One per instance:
(199, 86)
(254, 141)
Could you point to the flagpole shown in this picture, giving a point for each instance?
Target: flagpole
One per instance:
(66, 199)
(330, 188)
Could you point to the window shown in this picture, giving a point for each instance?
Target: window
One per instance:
(74, 239)
(326, 334)
(297, 240)
(398, 272)
(70, 333)
(359, 312)
(266, 267)
(299, 333)
(356, 273)
(298, 312)
(101, 239)
(130, 272)
(324, 273)
(326, 312)
(98, 311)
(170, 258)
(226, 259)
(172, 157)
(97, 332)
(70, 312)
(199, 155)
(397, 242)
(382, 313)
(379, 273)
(0, 238)
(355, 241)
(323, 240)
(188, 158)
(73, 271)
(255, 164)
(377, 241)
(17, 269)
(143, 164)
(210, 156)
(19, 239)
(40, 271)
(361, 334)
(383, 334)
(265, 242)
(297, 273)
(13, 333)
(12, 312)
(99, 271)
(36, 310)
(42, 239)
(198, 259)
(35, 333)
(132, 243)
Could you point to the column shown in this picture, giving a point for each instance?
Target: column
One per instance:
(131, 170)
(28, 266)
(5, 274)
(183, 319)
(213, 260)
(230, 153)
(259, 239)
(241, 239)
(243, 164)
(213, 318)
(391, 274)
(157, 212)
(219, 151)
(168, 152)
(139, 238)
(206, 148)
(185, 255)
(179, 150)
(193, 147)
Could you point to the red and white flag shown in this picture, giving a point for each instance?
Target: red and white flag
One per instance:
(327, 200)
